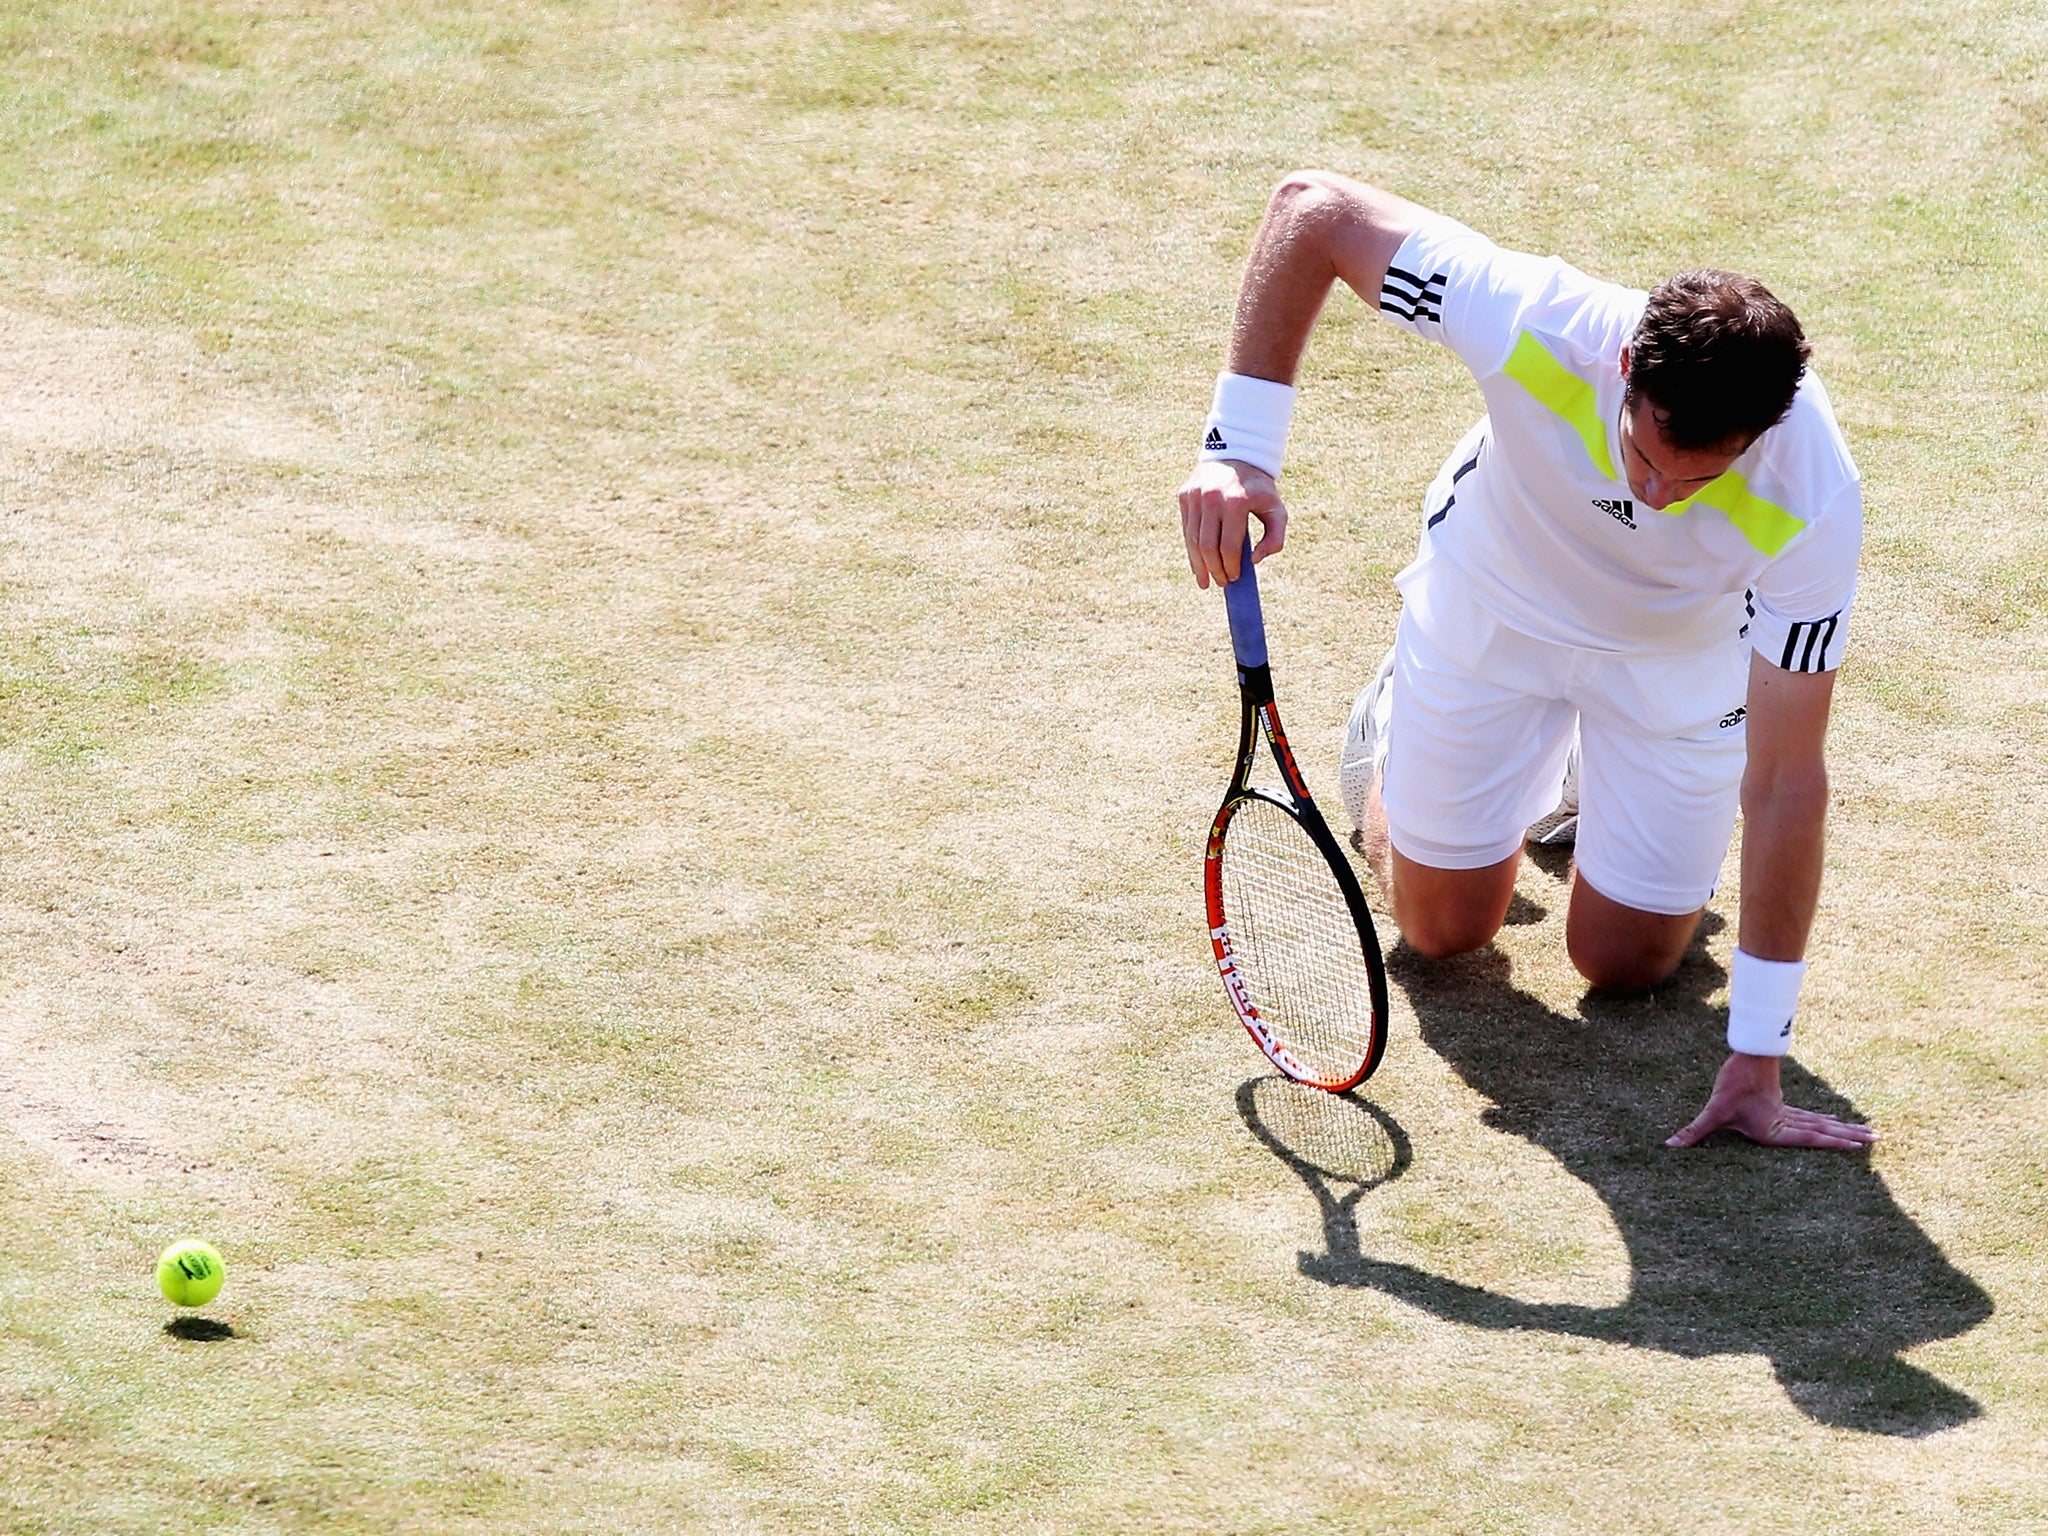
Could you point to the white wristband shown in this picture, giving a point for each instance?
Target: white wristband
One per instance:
(1762, 997)
(1248, 420)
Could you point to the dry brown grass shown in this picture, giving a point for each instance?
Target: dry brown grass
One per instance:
(606, 739)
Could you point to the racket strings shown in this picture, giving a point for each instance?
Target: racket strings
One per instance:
(1295, 944)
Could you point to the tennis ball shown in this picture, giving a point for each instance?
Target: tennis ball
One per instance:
(189, 1273)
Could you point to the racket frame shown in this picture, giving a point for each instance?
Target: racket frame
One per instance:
(1260, 717)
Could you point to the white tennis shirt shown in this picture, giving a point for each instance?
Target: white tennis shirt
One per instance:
(1532, 516)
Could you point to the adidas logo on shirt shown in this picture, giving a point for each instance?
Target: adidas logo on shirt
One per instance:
(1214, 443)
(1623, 512)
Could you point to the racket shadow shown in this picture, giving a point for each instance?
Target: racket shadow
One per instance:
(1340, 1145)
(1804, 1258)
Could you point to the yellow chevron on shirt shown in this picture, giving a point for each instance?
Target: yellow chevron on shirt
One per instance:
(1767, 526)
(1533, 366)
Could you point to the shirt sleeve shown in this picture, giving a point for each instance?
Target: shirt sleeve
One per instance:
(1799, 608)
(1449, 283)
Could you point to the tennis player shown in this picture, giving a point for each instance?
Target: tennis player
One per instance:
(1624, 618)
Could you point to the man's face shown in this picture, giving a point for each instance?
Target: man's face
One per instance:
(1659, 472)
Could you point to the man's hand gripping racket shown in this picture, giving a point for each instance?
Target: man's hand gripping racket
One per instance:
(1292, 935)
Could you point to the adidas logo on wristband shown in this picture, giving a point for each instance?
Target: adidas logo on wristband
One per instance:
(1763, 999)
(1248, 421)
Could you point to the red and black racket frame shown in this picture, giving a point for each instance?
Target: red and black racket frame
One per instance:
(1259, 716)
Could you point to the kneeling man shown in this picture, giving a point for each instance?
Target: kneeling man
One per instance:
(1623, 620)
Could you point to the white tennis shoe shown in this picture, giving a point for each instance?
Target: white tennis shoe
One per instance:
(1560, 827)
(1365, 741)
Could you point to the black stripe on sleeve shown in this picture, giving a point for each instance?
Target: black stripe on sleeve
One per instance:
(1408, 297)
(1421, 311)
(1807, 642)
(1827, 638)
(1403, 288)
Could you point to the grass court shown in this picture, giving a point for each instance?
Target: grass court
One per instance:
(606, 738)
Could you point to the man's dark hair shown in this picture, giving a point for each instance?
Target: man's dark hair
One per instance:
(1717, 356)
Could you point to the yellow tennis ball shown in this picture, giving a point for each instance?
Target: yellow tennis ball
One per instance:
(189, 1273)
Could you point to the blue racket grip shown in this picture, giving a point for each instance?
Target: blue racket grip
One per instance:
(1247, 622)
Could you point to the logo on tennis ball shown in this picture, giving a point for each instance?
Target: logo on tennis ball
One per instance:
(189, 1273)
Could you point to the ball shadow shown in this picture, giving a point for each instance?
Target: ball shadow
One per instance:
(200, 1330)
(1802, 1257)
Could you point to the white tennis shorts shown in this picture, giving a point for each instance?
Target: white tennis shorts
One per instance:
(1482, 718)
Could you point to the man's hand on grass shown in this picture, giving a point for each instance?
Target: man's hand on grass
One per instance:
(1748, 1100)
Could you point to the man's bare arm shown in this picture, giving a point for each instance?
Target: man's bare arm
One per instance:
(1784, 816)
(1784, 808)
(1319, 228)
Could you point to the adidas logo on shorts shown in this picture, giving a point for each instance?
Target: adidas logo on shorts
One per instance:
(1623, 512)
(1214, 443)
(1734, 716)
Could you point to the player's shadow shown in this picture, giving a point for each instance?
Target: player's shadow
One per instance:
(1803, 1257)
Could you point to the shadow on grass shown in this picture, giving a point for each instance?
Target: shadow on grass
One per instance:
(1803, 1257)
(199, 1330)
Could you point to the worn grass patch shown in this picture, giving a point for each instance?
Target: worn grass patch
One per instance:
(605, 740)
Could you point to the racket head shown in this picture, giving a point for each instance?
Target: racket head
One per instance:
(1294, 942)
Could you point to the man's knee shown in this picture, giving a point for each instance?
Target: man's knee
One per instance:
(1612, 969)
(1627, 956)
(1443, 912)
(1620, 948)
(1440, 935)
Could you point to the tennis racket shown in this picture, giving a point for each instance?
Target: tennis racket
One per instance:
(1293, 939)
